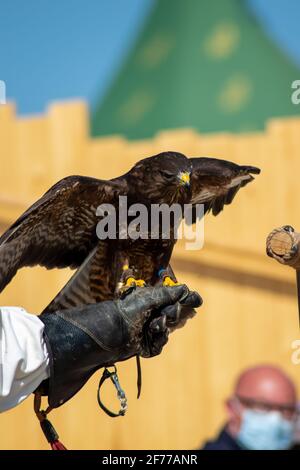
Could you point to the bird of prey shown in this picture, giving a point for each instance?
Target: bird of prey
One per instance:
(59, 230)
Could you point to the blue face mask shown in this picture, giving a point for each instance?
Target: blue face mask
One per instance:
(265, 430)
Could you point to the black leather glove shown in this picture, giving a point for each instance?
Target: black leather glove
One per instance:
(84, 339)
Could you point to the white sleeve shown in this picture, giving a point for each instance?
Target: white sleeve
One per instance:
(24, 360)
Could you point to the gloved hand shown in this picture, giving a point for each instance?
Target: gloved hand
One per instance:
(84, 339)
(169, 318)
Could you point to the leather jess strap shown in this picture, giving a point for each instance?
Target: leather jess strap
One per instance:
(113, 376)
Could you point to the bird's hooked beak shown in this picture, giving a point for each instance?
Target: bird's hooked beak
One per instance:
(184, 178)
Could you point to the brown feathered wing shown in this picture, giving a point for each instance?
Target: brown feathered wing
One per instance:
(59, 230)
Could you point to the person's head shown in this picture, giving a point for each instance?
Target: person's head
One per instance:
(263, 408)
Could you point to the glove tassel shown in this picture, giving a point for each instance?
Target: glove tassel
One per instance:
(57, 445)
(46, 426)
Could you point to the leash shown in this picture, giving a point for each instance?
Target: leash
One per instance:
(113, 376)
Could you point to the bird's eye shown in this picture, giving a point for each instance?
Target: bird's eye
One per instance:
(167, 175)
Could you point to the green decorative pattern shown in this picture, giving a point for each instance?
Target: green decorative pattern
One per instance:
(205, 64)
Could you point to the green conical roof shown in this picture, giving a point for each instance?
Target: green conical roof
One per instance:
(205, 64)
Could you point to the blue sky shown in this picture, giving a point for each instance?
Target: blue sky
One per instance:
(52, 50)
(281, 20)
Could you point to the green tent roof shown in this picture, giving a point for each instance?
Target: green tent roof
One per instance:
(205, 64)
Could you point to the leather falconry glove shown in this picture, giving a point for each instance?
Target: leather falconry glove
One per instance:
(84, 339)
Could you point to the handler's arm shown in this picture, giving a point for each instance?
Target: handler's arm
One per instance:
(68, 346)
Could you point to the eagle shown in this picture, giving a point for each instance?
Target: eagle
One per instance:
(59, 230)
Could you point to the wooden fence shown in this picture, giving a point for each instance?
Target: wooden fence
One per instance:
(249, 314)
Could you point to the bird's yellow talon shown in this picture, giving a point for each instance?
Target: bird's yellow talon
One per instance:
(134, 282)
(168, 282)
(130, 282)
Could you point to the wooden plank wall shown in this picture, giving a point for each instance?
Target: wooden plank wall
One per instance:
(249, 314)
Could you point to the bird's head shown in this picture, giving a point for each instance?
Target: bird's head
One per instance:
(163, 178)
